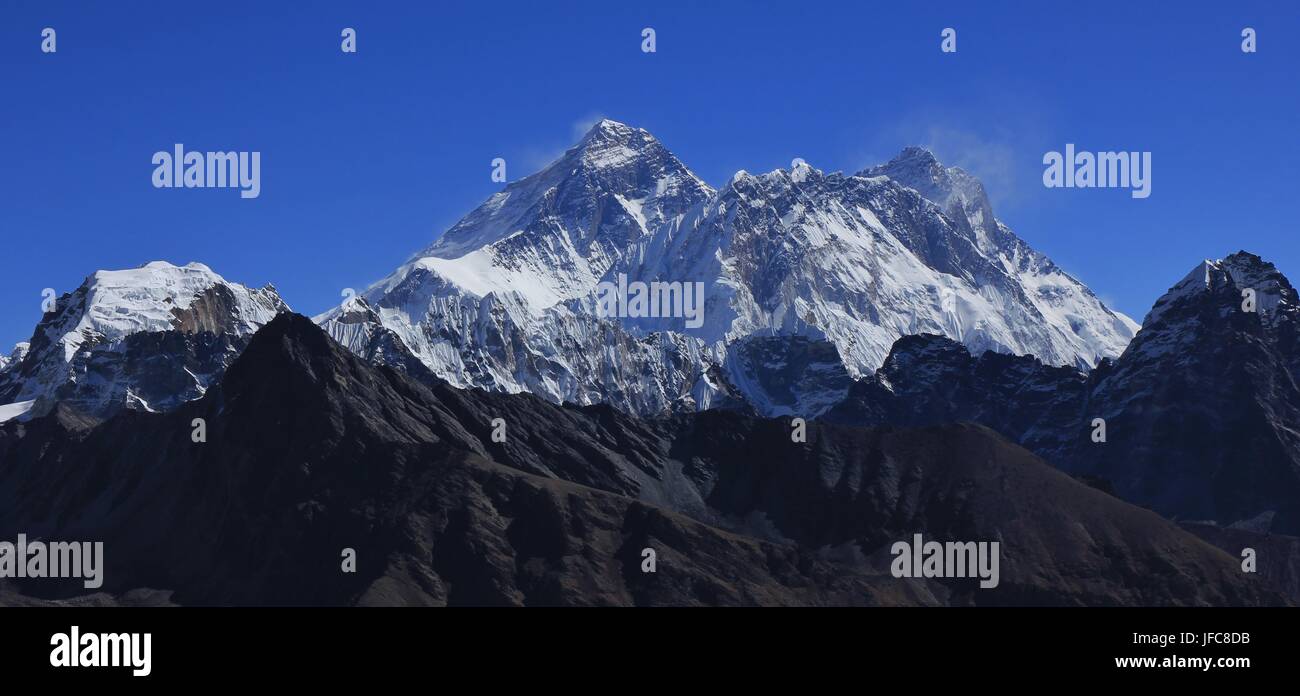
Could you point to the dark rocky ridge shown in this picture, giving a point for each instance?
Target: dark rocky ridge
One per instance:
(311, 450)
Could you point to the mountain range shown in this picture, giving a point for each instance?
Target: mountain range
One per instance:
(957, 384)
(505, 299)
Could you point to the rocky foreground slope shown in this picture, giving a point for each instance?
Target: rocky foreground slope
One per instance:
(310, 450)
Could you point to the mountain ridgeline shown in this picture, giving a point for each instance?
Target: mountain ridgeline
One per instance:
(311, 451)
(805, 279)
(477, 431)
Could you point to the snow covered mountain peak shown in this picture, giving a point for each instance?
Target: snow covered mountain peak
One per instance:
(149, 337)
(118, 303)
(615, 170)
(917, 168)
(951, 188)
(612, 144)
(1233, 275)
(1249, 271)
(918, 160)
(609, 129)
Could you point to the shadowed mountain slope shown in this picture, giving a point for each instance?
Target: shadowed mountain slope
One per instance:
(311, 450)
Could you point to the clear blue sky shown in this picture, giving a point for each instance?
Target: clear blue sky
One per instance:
(368, 157)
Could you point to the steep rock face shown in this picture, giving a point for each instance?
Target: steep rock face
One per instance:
(928, 380)
(508, 298)
(1201, 412)
(149, 338)
(311, 450)
(788, 375)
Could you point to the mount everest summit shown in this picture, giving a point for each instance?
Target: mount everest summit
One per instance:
(809, 279)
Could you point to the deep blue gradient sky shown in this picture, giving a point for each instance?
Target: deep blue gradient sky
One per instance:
(367, 157)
